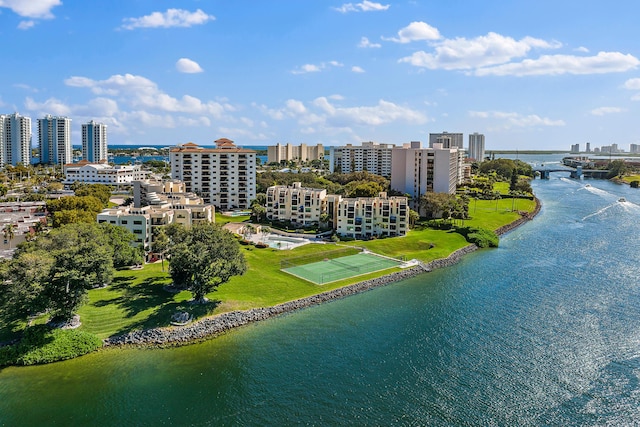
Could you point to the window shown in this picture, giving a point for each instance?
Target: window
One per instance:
(137, 222)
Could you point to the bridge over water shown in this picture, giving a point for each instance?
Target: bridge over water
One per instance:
(576, 172)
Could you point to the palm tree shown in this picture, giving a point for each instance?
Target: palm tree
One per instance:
(9, 233)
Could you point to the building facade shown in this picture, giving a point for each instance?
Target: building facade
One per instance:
(224, 176)
(448, 140)
(94, 142)
(296, 204)
(366, 217)
(15, 139)
(103, 173)
(369, 156)
(476, 146)
(417, 170)
(54, 140)
(279, 152)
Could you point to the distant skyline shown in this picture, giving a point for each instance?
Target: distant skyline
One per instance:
(530, 75)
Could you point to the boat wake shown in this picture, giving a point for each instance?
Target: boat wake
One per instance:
(621, 203)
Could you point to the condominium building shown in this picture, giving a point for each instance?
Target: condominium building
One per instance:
(54, 140)
(476, 146)
(633, 148)
(102, 173)
(277, 153)
(15, 139)
(370, 156)
(365, 217)
(448, 140)
(419, 170)
(94, 142)
(297, 204)
(137, 221)
(224, 176)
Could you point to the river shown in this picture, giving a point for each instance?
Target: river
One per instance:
(544, 330)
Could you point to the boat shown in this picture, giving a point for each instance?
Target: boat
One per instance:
(588, 185)
(622, 200)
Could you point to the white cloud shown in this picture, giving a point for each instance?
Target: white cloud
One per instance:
(31, 8)
(25, 25)
(511, 120)
(365, 6)
(50, 106)
(357, 69)
(186, 65)
(170, 18)
(461, 53)
(313, 68)
(632, 84)
(416, 31)
(582, 49)
(365, 43)
(601, 111)
(603, 62)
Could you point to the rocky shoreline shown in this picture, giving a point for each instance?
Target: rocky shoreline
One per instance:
(216, 325)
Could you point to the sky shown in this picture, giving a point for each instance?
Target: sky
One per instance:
(529, 75)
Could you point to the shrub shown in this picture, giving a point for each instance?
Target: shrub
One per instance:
(481, 237)
(261, 245)
(40, 344)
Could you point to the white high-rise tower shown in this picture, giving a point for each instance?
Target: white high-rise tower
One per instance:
(54, 140)
(15, 139)
(476, 146)
(94, 142)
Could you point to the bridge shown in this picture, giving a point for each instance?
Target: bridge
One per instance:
(576, 172)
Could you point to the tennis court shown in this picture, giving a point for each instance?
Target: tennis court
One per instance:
(330, 270)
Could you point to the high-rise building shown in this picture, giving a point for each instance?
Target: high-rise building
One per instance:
(448, 140)
(370, 156)
(54, 140)
(279, 152)
(94, 142)
(476, 146)
(224, 176)
(575, 148)
(15, 138)
(417, 170)
(588, 149)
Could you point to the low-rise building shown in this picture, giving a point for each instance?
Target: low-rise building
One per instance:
(103, 173)
(297, 204)
(366, 217)
(24, 218)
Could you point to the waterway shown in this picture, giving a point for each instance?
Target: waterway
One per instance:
(544, 330)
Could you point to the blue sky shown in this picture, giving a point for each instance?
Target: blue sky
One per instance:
(528, 74)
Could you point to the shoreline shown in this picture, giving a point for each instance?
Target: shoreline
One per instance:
(211, 327)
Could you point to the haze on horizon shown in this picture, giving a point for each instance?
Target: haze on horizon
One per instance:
(534, 75)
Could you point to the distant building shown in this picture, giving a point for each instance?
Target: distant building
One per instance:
(94, 142)
(634, 148)
(224, 176)
(417, 170)
(15, 139)
(476, 146)
(370, 156)
(575, 148)
(588, 147)
(303, 152)
(102, 173)
(54, 140)
(24, 217)
(448, 140)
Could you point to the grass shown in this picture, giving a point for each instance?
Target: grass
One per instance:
(630, 178)
(136, 298)
(224, 219)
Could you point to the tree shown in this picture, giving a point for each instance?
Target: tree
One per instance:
(9, 232)
(207, 257)
(100, 191)
(617, 168)
(258, 212)
(160, 243)
(123, 252)
(414, 217)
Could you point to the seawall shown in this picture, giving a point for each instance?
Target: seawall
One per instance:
(216, 325)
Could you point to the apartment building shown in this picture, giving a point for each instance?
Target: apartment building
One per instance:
(369, 156)
(365, 217)
(279, 152)
(295, 203)
(54, 140)
(137, 221)
(476, 146)
(15, 139)
(224, 176)
(419, 170)
(103, 173)
(94, 142)
(448, 140)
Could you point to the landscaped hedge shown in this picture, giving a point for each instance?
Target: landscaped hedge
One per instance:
(481, 237)
(40, 344)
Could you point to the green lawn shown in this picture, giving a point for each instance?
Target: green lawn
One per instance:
(631, 178)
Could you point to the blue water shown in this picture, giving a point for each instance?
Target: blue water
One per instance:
(544, 330)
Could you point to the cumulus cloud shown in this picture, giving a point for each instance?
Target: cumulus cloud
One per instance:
(40, 9)
(511, 120)
(25, 25)
(416, 31)
(582, 49)
(603, 62)
(357, 69)
(365, 6)
(365, 43)
(461, 53)
(170, 18)
(601, 111)
(50, 106)
(316, 68)
(186, 65)
(632, 84)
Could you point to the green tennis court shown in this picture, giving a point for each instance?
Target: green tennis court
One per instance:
(330, 270)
